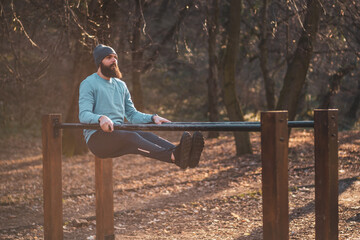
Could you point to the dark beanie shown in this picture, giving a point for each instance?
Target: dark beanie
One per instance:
(100, 52)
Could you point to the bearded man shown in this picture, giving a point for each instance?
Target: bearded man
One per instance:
(106, 100)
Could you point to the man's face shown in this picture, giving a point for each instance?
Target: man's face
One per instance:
(109, 67)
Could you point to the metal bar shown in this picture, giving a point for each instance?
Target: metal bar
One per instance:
(300, 124)
(52, 179)
(104, 199)
(216, 123)
(291, 124)
(274, 158)
(326, 175)
(169, 127)
(188, 126)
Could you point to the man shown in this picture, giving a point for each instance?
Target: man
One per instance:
(106, 100)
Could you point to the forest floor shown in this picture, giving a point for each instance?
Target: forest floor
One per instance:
(220, 199)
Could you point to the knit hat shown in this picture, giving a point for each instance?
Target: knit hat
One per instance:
(100, 52)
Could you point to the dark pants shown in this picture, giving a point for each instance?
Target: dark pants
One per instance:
(117, 143)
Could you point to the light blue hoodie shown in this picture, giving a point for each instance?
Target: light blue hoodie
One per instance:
(98, 96)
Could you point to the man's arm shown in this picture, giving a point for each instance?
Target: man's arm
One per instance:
(86, 104)
(134, 116)
(131, 113)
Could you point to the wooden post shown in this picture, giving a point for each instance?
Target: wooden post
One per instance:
(104, 199)
(326, 174)
(52, 180)
(274, 157)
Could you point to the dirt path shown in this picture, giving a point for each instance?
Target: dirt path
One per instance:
(221, 199)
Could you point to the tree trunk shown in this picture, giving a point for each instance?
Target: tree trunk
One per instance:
(137, 57)
(355, 105)
(297, 69)
(212, 17)
(140, 65)
(148, 63)
(334, 86)
(232, 104)
(73, 140)
(268, 81)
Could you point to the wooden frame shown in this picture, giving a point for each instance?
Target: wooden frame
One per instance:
(52, 178)
(274, 155)
(104, 199)
(326, 174)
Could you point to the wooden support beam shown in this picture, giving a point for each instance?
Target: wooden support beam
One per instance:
(274, 157)
(52, 179)
(326, 174)
(104, 199)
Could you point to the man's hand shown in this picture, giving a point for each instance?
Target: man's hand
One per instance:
(160, 120)
(106, 124)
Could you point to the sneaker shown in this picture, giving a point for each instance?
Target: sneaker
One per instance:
(196, 149)
(182, 151)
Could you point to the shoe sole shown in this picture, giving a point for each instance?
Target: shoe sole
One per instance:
(196, 150)
(185, 142)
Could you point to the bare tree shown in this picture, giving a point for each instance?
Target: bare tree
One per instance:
(73, 141)
(213, 29)
(231, 99)
(298, 66)
(264, 54)
(351, 114)
(137, 52)
(334, 86)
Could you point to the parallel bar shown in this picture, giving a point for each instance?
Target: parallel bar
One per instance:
(291, 124)
(169, 127)
(274, 157)
(326, 174)
(104, 199)
(300, 124)
(274, 151)
(215, 123)
(52, 180)
(189, 126)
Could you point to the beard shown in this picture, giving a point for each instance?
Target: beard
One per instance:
(110, 71)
